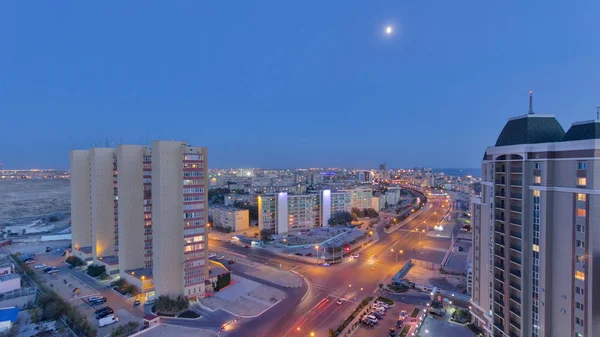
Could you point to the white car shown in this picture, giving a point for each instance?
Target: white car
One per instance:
(403, 314)
(221, 257)
(326, 264)
(383, 304)
(39, 266)
(211, 255)
(372, 318)
(355, 256)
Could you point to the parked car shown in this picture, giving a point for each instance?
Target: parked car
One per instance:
(101, 310)
(403, 313)
(460, 249)
(136, 303)
(308, 254)
(355, 256)
(399, 324)
(227, 241)
(48, 269)
(29, 261)
(367, 322)
(220, 257)
(211, 255)
(39, 266)
(326, 264)
(52, 271)
(383, 304)
(376, 314)
(246, 246)
(231, 262)
(95, 300)
(108, 320)
(392, 332)
(299, 254)
(104, 313)
(48, 249)
(372, 318)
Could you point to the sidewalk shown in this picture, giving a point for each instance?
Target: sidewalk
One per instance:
(407, 220)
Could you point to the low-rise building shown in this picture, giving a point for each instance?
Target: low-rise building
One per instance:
(235, 219)
(8, 316)
(9, 282)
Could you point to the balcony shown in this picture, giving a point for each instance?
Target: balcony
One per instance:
(516, 169)
(517, 196)
(500, 182)
(515, 311)
(516, 183)
(516, 209)
(514, 285)
(515, 324)
(499, 218)
(515, 299)
(496, 301)
(501, 169)
(515, 260)
(515, 234)
(515, 248)
(499, 265)
(516, 221)
(500, 194)
(499, 277)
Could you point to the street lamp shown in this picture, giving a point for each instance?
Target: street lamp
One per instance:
(317, 249)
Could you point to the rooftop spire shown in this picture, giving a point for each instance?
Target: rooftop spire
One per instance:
(530, 102)
(597, 112)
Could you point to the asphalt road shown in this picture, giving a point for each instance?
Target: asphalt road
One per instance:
(354, 279)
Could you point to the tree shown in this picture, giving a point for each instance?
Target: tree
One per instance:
(265, 235)
(95, 270)
(74, 261)
(340, 218)
(370, 213)
(357, 212)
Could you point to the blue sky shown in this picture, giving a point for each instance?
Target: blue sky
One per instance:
(288, 83)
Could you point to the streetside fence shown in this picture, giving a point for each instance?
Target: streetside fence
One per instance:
(355, 323)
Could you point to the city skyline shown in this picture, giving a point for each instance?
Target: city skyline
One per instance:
(278, 90)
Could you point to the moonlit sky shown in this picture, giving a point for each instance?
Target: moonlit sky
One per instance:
(290, 84)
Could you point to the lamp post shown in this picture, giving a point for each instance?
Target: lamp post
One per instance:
(285, 245)
(317, 249)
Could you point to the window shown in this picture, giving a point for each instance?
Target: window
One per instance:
(579, 290)
(579, 305)
(579, 321)
(537, 179)
(536, 248)
(580, 244)
(581, 165)
(580, 212)
(581, 228)
(537, 166)
(581, 196)
(580, 258)
(536, 193)
(581, 181)
(580, 275)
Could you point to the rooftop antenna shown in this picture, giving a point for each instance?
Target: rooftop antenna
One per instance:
(531, 102)
(597, 112)
(107, 145)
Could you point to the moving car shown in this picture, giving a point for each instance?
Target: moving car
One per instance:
(48, 249)
(136, 303)
(340, 301)
(355, 256)
(326, 264)
(246, 246)
(39, 266)
(231, 262)
(211, 255)
(227, 241)
(221, 257)
(52, 271)
(48, 269)
(308, 254)
(108, 320)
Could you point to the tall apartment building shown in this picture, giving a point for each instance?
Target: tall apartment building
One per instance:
(282, 213)
(138, 210)
(537, 231)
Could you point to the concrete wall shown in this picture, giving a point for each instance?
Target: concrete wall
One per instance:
(131, 207)
(81, 217)
(10, 285)
(103, 224)
(167, 217)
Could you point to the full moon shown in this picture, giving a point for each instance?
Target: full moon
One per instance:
(388, 30)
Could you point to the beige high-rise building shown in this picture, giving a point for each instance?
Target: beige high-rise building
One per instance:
(179, 238)
(81, 211)
(145, 215)
(536, 231)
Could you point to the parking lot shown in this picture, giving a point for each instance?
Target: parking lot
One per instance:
(66, 280)
(392, 315)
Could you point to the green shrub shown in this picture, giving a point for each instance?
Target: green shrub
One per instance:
(95, 270)
(385, 300)
(169, 306)
(125, 329)
(222, 281)
(74, 261)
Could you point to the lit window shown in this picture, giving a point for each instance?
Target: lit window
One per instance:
(581, 196)
(536, 248)
(537, 180)
(581, 181)
(581, 165)
(580, 212)
(580, 275)
(536, 193)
